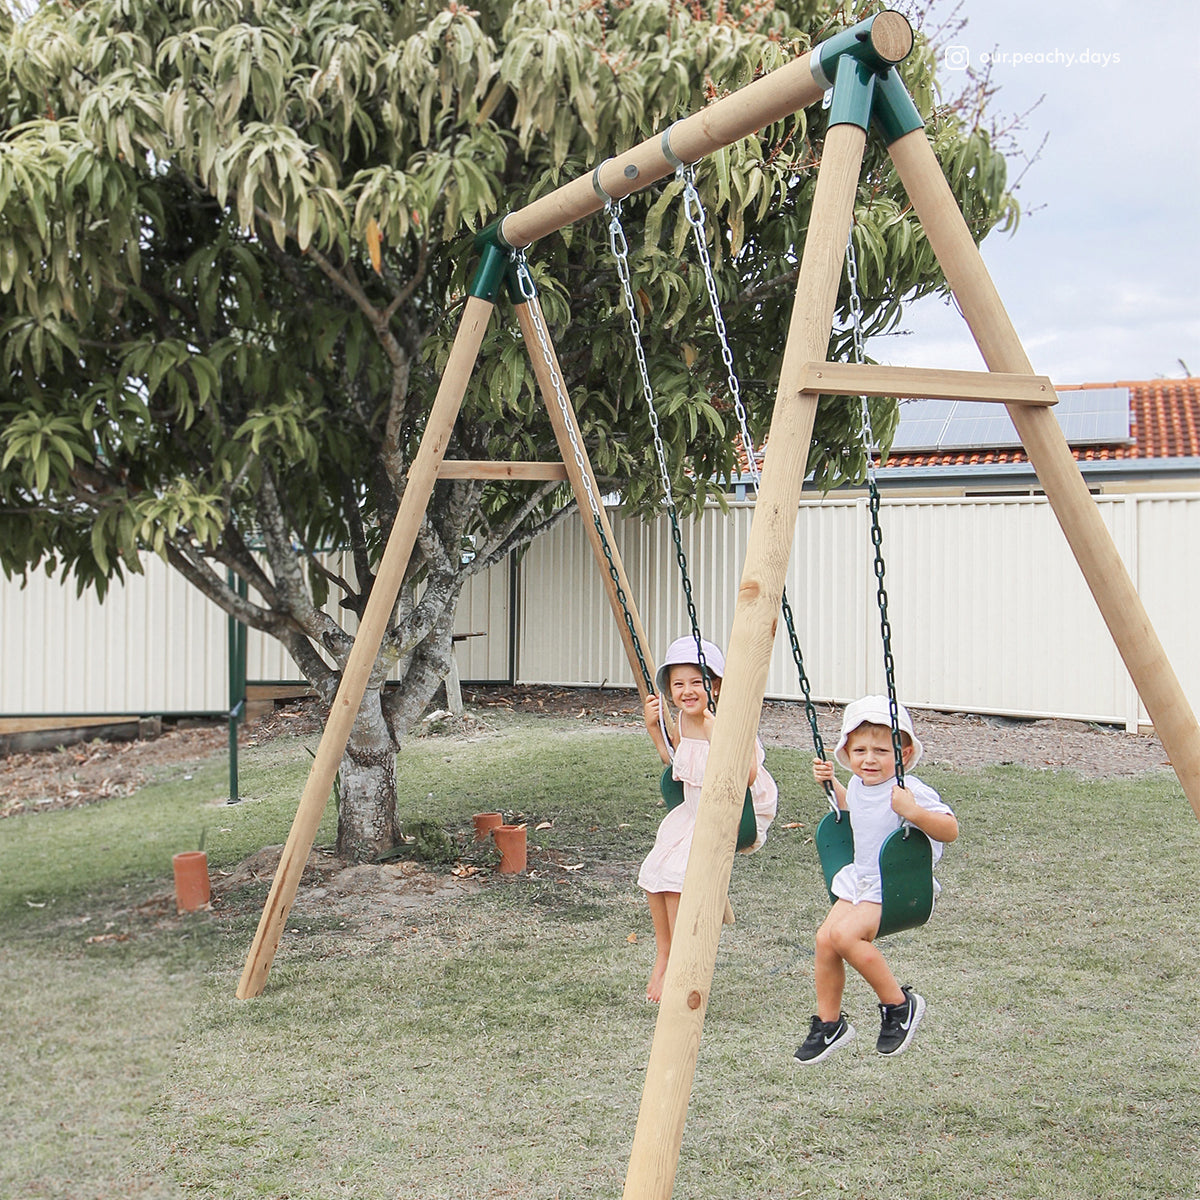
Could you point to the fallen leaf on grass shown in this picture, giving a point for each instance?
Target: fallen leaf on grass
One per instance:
(106, 937)
(545, 825)
(794, 825)
(576, 867)
(631, 938)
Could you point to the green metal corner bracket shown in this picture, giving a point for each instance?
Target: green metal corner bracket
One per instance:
(853, 93)
(893, 112)
(867, 88)
(496, 266)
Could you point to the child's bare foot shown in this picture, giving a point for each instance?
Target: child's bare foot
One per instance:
(654, 989)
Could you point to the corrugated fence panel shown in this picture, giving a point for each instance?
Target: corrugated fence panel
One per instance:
(567, 633)
(154, 646)
(825, 589)
(484, 607)
(988, 608)
(1168, 579)
(990, 612)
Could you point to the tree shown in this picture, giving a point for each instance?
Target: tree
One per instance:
(234, 235)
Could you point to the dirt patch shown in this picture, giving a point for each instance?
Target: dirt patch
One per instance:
(959, 741)
(97, 770)
(85, 772)
(377, 901)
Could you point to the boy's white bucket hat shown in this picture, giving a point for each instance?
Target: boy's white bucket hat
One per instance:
(683, 650)
(873, 710)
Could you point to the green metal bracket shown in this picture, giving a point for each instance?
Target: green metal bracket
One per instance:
(871, 93)
(894, 114)
(855, 42)
(853, 94)
(495, 266)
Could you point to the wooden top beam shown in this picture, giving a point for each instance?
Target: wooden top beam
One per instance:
(481, 469)
(772, 97)
(922, 383)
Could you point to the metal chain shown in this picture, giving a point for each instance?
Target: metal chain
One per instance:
(528, 290)
(885, 630)
(620, 252)
(619, 246)
(810, 709)
(868, 436)
(694, 211)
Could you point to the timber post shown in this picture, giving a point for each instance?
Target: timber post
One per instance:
(1055, 466)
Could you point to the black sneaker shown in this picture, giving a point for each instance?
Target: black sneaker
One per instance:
(824, 1038)
(898, 1023)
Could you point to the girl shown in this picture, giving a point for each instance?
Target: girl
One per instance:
(681, 678)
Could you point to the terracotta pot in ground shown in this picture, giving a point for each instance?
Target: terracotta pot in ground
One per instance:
(485, 823)
(510, 841)
(191, 880)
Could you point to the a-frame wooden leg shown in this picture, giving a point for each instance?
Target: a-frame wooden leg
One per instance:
(375, 619)
(655, 1154)
(1093, 547)
(562, 417)
(583, 481)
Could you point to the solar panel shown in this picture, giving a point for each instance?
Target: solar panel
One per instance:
(1089, 417)
(1094, 416)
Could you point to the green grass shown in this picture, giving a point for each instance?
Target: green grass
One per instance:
(494, 1044)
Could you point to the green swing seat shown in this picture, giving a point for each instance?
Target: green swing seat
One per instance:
(905, 866)
(672, 794)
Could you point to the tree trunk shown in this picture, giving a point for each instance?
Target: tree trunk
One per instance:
(366, 788)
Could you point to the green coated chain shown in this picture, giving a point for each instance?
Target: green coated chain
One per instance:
(619, 246)
(868, 436)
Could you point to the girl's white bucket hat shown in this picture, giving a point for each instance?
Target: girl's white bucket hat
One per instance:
(683, 650)
(873, 710)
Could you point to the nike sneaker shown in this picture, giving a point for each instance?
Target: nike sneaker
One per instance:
(898, 1023)
(824, 1038)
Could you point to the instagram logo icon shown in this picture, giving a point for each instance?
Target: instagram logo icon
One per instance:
(956, 58)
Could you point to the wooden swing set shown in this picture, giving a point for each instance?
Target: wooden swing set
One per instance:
(858, 64)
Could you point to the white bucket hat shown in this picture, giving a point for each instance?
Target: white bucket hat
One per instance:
(683, 650)
(873, 710)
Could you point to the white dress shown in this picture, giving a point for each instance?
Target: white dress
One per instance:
(664, 866)
(872, 820)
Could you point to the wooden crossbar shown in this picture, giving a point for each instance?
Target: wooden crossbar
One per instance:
(924, 383)
(483, 469)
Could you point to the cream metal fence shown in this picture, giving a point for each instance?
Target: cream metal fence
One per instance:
(989, 613)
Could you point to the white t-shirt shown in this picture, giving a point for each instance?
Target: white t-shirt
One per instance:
(873, 821)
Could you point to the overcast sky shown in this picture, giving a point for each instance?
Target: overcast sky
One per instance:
(1102, 277)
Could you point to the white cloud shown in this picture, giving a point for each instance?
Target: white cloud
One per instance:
(1100, 279)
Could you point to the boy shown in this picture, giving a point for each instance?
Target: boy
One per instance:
(877, 806)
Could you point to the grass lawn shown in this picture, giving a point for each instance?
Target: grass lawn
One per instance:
(493, 1043)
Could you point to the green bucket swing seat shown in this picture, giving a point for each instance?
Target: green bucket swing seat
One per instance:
(905, 867)
(672, 794)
